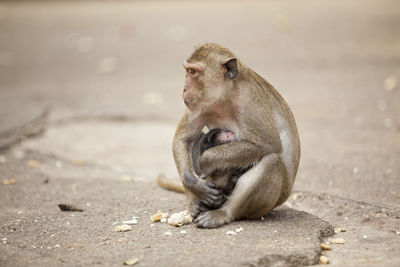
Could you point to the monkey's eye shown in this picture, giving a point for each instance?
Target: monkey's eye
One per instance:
(192, 71)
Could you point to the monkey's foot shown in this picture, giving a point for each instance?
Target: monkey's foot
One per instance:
(211, 219)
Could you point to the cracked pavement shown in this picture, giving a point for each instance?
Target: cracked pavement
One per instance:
(90, 98)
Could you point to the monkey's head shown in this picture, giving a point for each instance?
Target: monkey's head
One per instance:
(210, 75)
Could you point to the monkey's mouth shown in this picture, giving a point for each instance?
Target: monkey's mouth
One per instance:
(189, 102)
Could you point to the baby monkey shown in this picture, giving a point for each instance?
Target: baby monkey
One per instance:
(224, 179)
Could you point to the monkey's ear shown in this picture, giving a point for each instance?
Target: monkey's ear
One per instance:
(231, 68)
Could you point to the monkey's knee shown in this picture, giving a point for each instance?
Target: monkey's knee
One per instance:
(258, 190)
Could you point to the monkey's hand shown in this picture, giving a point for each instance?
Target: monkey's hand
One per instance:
(196, 208)
(206, 192)
(241, 154)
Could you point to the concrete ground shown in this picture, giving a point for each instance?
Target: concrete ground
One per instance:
(107, 78)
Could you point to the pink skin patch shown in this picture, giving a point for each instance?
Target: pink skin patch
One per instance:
(226, 137)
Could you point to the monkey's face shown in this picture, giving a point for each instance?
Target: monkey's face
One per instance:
(207, 84)
(194, 84)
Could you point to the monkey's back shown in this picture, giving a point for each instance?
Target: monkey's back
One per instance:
(269, 101)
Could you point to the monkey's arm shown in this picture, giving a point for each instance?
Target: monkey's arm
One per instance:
(203, 190)
(238, 154)
(180, 147)
(257, 143)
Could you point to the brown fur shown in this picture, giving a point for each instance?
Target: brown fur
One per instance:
(223, 93)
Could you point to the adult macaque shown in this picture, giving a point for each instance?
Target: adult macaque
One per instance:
(221, 92)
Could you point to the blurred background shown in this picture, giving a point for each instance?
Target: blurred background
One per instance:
(337, 63)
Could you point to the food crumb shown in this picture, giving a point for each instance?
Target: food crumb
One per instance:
(158, 216)
(238, 230)
(9, 181)
(180, 218)
(324, 260)
(326, 247)
(132, 261)
(231, 233)
(337, 241)
(123, 228)
(33, 163)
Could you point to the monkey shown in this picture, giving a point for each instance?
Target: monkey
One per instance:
(224, 179)
(215, 137)
(222, 92)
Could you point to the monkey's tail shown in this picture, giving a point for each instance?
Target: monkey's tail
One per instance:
(169, 184)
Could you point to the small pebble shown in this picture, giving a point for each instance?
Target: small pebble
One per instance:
(168, 233)
(323, 260)
(4, 240)
(57, 246)
(69, 207)
(2, 159)
(123, 228)
(183, 232)
(163, 220)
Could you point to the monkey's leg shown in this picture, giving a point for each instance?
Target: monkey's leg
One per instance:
(256, 193)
